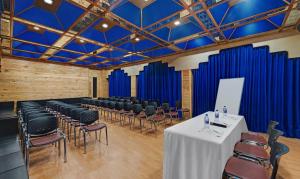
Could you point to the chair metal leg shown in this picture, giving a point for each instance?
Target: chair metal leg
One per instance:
(58, 148)
(74, 136)
(106, 135)
(84, 141)
(65, 150)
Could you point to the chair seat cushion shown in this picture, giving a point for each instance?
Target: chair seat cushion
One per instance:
(44, 140)
(245, 169)
(251, 150)
(254, 137)
(94, 127)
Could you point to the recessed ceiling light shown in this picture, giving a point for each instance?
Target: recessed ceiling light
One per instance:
(36, 28)
(48, 2)
(137, 39)
(81, 41)
(146, 0)
(177, 22)
(105, 25)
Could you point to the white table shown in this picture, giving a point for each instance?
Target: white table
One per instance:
(192, 152)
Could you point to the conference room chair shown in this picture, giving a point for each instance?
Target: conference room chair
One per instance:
(257, 153)
(184, 111)
(119, 111)
(111, 110)
(144, 103)
(240, 168)
(88, 123)
(138, 114)
(128, 113)
(170, 113)
(75, 123)
(153, 116)
(43, 131)
(256, 138)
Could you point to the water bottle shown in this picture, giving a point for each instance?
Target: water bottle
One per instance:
(225, 110)
(217, 115)
(206, 121)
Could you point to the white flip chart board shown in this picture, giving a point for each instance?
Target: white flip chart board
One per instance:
(230, 95)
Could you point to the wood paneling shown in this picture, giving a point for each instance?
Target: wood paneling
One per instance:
(103, 88)
(25, 80)
(133, 86)
(187, 89)
(129, 155)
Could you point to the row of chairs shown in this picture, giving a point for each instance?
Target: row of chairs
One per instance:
(38, 127)
(251, 157)
(74, 117)
(122, 109)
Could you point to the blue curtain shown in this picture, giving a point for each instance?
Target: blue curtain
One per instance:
(271, 89)
(119, 84)
(158, 81)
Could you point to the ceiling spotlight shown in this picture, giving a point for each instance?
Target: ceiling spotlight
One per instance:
(50, 2)
(137, 39)
(81, 41)
(146, 0)
(36, 28)
(105, 25)
(177, 22)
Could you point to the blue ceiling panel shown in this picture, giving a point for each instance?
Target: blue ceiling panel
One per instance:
(58, 59)
(28, 47)
(181, 45)
(21, 31)
(219, 11)
(112, 54)
(94, 59)
(184, 30)
(68, 13)
(128, 46)
(228, 32)
(58, 20)
(248, 8)
(116, 33)
(21, 5)
(84, 63)
(159, 9)
(199, 42)
(253, 28)
(159, 52)
(163, 33)
(25, 54)
(133, 58)
(144, 44)
(94, 34)
(67, 54)
(129, 12)
(278, 19)
(84, 48)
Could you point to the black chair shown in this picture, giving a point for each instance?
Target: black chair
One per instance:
(75, 122)
(128, 113)
(144, 104)
(183, 110)
(43, 131)
(119, 111)
(111, 109)
(239, 168)
(170, 113)
(138, 114)
(87, 124)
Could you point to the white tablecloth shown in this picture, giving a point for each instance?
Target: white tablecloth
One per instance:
(192, 152)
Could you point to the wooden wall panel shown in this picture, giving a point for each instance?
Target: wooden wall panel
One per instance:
(26, 80)
(104, 83)
(187, 89)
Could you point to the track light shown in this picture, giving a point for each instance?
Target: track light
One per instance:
(105, 25)
(36, 28)
(177, 22)
(137, 39)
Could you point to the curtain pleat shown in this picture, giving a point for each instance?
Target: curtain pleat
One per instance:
(159, 82)
(119, 84)
(271, 88)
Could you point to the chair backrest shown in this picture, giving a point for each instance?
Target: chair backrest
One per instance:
(128, 106)
(165, 107)
(145, 103)
(88, 117)
(153, 103)
(119, 106)
(274, 134)
(277, 151)
(75, 113)
(149, 110)
(137, 108)
(42, 125)
(112, 105)
(272, 125)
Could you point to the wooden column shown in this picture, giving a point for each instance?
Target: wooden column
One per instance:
(133, 86)
(187, 89)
